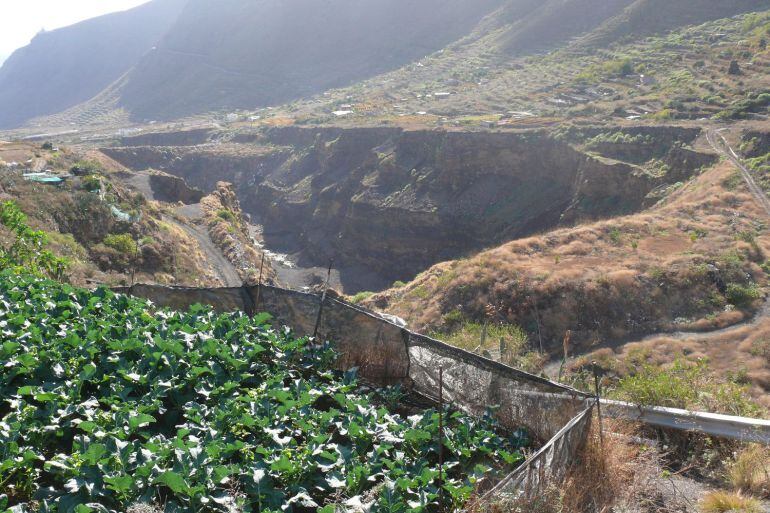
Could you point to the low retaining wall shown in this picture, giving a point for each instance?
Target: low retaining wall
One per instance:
(387, 354)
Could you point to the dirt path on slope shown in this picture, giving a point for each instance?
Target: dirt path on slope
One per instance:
(720, 144)
(221, 266)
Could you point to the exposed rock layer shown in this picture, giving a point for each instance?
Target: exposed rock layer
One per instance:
(395, 202)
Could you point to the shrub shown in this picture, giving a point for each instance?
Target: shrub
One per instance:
(446, 278)
(92, 183)
(361, 296)
(664, 114)
(761, 347)
(619, 68)
(86, 167)
(453, 318)
(754, 102)
(616, 236)
(724, 502)
(122, 243)
(226, 215)
(511, 340)
(686, 385)
(742, 295)
(26, 253)
(618, 138)
(66, 244)
(733, 181)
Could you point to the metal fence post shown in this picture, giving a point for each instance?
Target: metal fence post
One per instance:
(323, 300)
(598, 389)
(259, 284)
(441, 434)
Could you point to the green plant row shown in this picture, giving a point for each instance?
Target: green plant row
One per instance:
(109, 402)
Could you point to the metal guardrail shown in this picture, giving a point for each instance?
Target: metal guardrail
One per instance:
(726, 426)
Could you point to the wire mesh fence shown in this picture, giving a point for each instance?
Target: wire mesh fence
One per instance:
(556, 416)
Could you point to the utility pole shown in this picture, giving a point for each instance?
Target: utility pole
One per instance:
(441, 434)
(323, 299)
(598, 390)
(134, 263)
(259, 284)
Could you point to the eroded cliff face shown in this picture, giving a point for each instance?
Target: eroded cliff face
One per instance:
(392, 202)
(228, 229)
(172, 189)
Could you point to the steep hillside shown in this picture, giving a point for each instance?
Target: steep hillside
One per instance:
(646, 17)
(544, 25)
(243, 54)
(678, 74)
(696, 262)
(386, 203)
(64, 67)
(108, 232)
(555, 22)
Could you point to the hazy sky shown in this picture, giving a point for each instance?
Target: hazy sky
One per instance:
(20, 20)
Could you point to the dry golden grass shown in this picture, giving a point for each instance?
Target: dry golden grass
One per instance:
(190, 268)
(618, 475)
(616, 280)
(729, 502)
(607, 474)
(750, 472)
(46, 206)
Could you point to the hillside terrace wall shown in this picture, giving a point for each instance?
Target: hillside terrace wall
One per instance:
(387, 354)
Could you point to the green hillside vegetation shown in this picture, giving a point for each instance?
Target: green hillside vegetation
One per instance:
(26, 251)
(109, 232)
(111, 402)
(681, 74)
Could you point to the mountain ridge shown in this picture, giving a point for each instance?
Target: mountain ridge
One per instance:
(62, 68)
(241, 55)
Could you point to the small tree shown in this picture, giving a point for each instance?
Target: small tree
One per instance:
(27, 253)
(122, 243)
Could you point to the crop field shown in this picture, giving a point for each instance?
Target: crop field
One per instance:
(109, 402)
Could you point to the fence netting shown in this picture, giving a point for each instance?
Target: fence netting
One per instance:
(556, 416)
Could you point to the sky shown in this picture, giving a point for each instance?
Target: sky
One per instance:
(20, 20)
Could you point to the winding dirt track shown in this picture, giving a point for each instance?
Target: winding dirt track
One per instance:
(720, 144)
(224, 270)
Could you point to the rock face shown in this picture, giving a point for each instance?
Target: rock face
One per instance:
(227, 228)
(172, 189)
(394, 201)
(756, 143)
(177, 138)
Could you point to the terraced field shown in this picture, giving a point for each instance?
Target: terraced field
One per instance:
(114, 402)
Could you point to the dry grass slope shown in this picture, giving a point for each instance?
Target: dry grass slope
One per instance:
(693, 262)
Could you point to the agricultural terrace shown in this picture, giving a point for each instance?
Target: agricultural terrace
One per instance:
(110, 402)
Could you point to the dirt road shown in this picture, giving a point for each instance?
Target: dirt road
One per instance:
(224, 270)
(720, 144)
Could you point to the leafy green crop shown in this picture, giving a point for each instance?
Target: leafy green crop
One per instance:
(108, 401)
